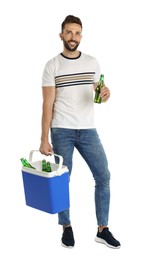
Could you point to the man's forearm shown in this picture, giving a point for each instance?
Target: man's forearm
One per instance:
(46, 122)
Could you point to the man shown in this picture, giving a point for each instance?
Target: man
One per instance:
(68, 84)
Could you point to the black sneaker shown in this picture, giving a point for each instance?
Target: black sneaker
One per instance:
(68, 238)
(107, 238)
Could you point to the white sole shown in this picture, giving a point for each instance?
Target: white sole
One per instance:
(69, 247)
(102, 241)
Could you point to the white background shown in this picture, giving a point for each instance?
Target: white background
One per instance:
(113, 33)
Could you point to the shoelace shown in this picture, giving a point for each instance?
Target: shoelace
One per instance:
(109, 235)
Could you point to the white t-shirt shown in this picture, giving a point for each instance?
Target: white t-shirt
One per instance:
(73, 79)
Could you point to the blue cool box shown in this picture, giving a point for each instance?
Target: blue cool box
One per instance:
(48, 192)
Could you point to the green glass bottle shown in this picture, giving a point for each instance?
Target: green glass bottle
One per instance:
(25, 163)
(97, 98)
(44, 166)
(48, 167)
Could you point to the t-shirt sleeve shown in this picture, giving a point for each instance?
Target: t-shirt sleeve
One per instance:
(97, 71)
(48, 78)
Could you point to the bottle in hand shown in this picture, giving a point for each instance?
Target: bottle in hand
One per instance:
(97, 98)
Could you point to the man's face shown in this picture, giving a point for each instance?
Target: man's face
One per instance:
(71, 36)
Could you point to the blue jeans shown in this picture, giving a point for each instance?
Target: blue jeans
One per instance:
(88, 144)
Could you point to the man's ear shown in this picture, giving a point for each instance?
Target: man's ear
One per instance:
(61, 36)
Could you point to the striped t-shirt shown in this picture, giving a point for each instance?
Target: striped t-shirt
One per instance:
(73, 79)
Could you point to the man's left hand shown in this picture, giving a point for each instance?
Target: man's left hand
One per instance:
(105, 93)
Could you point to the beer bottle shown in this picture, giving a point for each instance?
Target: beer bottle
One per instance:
(25, 163)
(48, 167)
(97, 98)
(44, 166)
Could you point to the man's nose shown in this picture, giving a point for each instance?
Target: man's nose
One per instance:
(72, 37)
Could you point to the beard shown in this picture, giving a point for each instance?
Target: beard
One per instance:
(66, 45)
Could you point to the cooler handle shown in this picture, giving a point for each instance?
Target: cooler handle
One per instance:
(59, 156)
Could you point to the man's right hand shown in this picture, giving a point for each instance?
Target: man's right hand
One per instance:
(45, 148)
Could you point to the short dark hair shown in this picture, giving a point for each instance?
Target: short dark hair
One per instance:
(71, 19)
